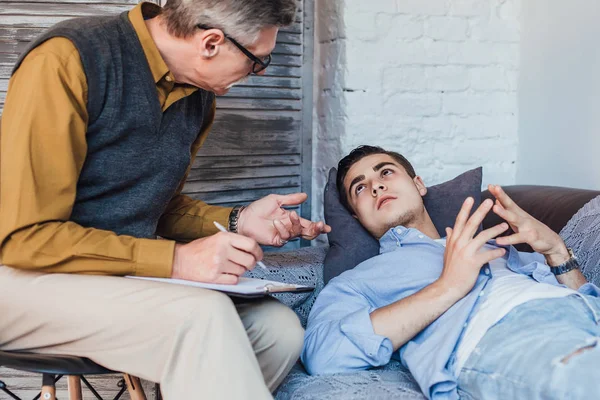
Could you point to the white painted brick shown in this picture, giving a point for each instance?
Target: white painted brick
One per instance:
(495, 30)
(470, 7)
(435, 80)
(479, 53)
(364, 76)
(395, 27)
(499, 173)
(492, 103)
(360, 102)
(422, 51)
(471, 53)
(447, 78)
(359, 25)
(510, 9)
(489, 78)
(446, 28)
(425, 78)
(359, 6)
(406, 78)
(359, 54)
(440, 127)
(490, 127)
(420, 7)
(413, 105)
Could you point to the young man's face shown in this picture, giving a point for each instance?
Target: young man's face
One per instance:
(382, 195)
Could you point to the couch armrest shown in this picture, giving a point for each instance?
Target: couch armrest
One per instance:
(552, 205)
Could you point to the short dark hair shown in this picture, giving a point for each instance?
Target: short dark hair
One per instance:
(358, 154)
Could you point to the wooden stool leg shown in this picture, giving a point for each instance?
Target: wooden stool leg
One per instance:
(48, 388)
(75, 392)
(134, 387)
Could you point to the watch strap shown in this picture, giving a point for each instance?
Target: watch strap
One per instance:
(567, 266)
(234, 217)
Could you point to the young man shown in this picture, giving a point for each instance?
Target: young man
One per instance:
(467, 315)
(103, 118)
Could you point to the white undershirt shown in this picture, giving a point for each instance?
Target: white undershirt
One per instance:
(505, 291)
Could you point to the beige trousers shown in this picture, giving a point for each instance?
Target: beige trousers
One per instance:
(196, 343)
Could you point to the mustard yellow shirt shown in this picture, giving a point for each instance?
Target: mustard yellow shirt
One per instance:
(42, 151)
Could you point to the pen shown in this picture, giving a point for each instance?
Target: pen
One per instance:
(222, 229)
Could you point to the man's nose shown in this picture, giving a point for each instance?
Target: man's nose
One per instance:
(378, 186)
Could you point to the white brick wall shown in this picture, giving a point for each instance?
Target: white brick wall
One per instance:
(435, 80)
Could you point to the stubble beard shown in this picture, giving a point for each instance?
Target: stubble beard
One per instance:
(407, 219)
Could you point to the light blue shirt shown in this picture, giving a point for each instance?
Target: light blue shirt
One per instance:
(339, 335)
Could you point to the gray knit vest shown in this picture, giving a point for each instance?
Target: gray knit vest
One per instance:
(137, 155)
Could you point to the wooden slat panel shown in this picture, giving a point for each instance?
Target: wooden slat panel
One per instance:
(224, 185)
(228, 161)
(202, 174)
(287, 37)
(59, 9)
(129, 2)
(239, 135)
(259, 104)
(286, 60)
(264, 93)
(277, 70)
(286, 48)
(237, 196)
(271, 81)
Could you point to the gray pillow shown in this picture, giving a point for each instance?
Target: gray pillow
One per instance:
(350, 243)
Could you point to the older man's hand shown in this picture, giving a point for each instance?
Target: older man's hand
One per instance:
(267, 222)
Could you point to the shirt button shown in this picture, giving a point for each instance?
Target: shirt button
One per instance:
(481, 293)
(420, 236)
(398, 230)
(168, 78)
(465, 325)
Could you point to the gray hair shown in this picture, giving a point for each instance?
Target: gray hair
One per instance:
(241, 19)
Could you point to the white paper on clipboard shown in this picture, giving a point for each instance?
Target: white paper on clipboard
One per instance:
(246, 287)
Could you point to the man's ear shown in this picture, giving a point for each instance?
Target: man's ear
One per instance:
(420, 185)
(210, 42)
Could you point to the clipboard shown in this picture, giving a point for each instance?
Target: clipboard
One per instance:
(245, 288)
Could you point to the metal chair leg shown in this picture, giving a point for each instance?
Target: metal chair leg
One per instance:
(48, 387)
(74, 385)
(134, 387)
(4, 388)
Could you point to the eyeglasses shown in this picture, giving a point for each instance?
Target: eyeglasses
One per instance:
(259, 64)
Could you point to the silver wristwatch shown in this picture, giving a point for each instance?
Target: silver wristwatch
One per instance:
(567, 266)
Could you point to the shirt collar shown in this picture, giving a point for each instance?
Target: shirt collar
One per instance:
(144, 10)
(392, 239)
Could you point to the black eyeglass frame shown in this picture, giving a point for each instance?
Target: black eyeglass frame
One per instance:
(258, 66)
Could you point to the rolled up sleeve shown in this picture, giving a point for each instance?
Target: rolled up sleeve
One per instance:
(339, 336)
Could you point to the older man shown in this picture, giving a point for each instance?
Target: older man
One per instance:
(103, 118)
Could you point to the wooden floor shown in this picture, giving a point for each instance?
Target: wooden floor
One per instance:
(27, 386)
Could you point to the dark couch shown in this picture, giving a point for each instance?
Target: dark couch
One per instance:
(554, 206)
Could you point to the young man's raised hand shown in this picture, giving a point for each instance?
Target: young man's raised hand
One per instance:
(464, 256)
